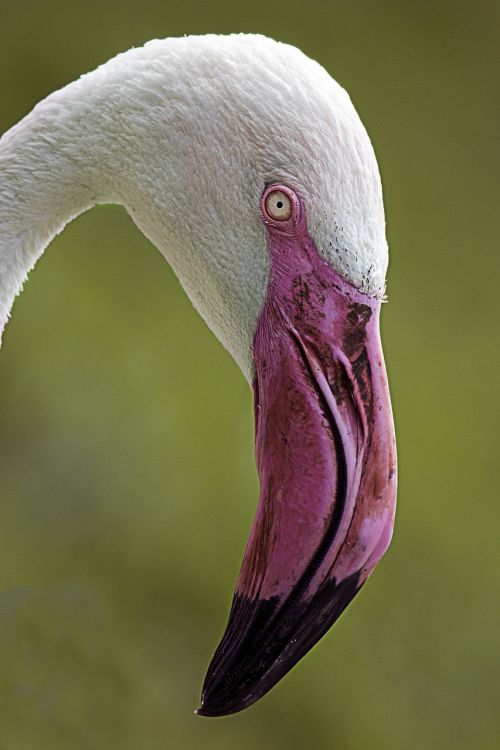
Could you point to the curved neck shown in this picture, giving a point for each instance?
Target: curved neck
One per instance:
(135, 132)
(50, 171)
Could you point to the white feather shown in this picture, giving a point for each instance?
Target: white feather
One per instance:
(185, 133)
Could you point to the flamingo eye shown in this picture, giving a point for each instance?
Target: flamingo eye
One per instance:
(278, 205)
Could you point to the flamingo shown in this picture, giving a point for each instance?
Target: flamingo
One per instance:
(248, 167)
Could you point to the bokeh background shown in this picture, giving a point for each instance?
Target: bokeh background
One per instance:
(127, 478)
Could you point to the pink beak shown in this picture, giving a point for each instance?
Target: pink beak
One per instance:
(326, 457)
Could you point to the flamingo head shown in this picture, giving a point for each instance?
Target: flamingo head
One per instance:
(247, 166)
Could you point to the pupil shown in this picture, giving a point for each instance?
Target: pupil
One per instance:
(279, 204)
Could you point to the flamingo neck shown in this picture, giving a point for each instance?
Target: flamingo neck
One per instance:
(52, 168)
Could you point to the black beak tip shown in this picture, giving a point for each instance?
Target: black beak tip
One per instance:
(251, 660)
(209, 711)
(212, 708)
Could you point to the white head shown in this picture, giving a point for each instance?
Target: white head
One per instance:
(185, 133)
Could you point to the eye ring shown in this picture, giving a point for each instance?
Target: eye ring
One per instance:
(280, 207)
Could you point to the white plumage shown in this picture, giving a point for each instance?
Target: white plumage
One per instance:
(185, 133)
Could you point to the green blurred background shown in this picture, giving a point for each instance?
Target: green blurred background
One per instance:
(126, 441)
